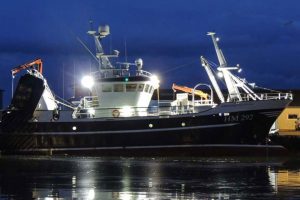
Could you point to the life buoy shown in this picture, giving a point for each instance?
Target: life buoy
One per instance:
(115, 113)
(55, 114)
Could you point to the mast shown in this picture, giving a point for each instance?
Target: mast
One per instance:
(103, 31)
(233, 82)
(219, 52)
(212, 78)
(105, 66)
(232, 88)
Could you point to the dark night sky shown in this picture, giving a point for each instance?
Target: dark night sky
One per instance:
(170, 35)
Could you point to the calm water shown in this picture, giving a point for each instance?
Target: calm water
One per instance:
(130, 178)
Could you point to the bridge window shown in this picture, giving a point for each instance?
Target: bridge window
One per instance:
(106, 88)
(146, 88)
(140, 88)
(150, 90)
(131, 87)
(118, 88)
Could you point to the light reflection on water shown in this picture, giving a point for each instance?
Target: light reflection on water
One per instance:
(148, 178)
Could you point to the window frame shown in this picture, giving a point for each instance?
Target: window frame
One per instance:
(118, 84)
(131, 89)
(105, 86)
(292, 116)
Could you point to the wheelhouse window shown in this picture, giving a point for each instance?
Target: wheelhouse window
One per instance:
(118, 88)
(106, 88)
(140, 87)
(146, 88)
(150, 90)
(292, 116)
(131, 87)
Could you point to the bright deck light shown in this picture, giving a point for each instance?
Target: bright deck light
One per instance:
(126, 111)
(155, 81)
(87, 81)
(91, 194)
(91, 111)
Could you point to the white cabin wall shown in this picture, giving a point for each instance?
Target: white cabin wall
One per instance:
(136, 100)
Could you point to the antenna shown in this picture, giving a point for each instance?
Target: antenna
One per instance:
(12, 85)
(74, 80)
(63, 80)
(91, 24)
(110, 44)
(125, 50)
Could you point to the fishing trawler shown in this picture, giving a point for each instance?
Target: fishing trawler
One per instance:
(120, 118)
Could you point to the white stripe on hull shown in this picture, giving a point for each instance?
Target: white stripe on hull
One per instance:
(136, 131)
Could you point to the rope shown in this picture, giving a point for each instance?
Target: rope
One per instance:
(276, 91)
(212, 64)
(179, 66)
(63, 101)
(215, 65)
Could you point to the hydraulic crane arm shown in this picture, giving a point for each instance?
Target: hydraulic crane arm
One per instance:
(190, 90)
(38, 62)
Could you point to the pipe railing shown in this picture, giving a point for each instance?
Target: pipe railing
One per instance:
(269, 96)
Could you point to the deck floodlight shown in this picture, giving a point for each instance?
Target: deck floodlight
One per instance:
(127, 111)
(87, 81)
(155, 81)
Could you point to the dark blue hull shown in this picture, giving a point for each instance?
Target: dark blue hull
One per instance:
(174, 135)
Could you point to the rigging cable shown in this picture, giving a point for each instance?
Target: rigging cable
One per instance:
(179, 66)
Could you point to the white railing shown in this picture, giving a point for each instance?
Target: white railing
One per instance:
(89, 102)
(268, 96)
(114, 73)
(92, 112)
(203, 102)
(143, 73)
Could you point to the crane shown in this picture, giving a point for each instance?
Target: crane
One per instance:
(37, 62)
(190, 90)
